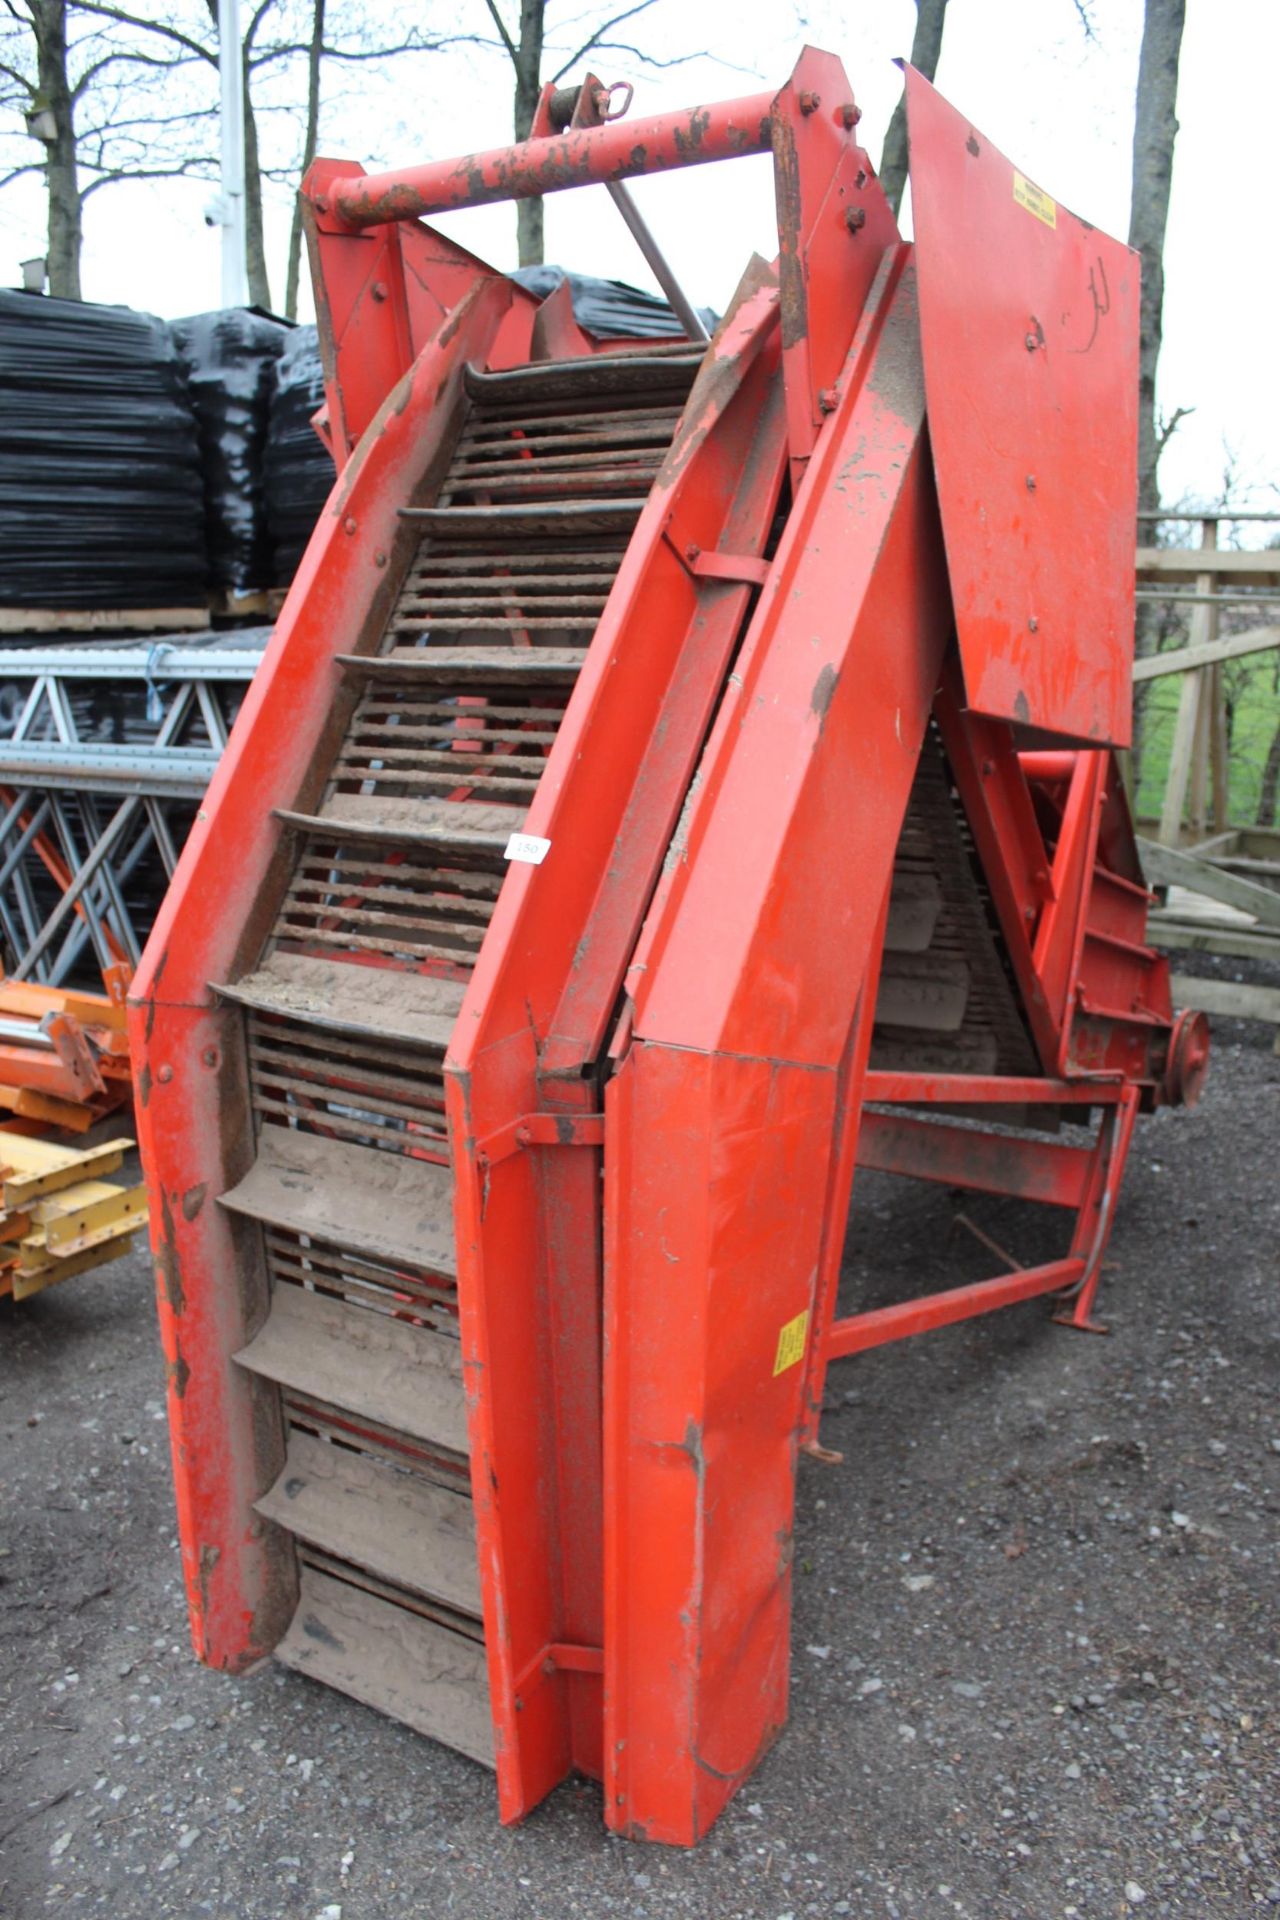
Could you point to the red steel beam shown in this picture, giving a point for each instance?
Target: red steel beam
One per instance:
(983, 1089)
(883, 1324)
(965, 1156)
(619, 150)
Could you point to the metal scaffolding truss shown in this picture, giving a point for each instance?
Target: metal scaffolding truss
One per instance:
(105, 752)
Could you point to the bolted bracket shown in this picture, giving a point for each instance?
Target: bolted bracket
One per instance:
(542, 1130)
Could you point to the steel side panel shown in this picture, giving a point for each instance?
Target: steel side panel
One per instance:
(720, 1120)
(1035, 446)
(195, 1137)
(716, 1174)
(537, 1011)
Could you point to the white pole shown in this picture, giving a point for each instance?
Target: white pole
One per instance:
(235, 290)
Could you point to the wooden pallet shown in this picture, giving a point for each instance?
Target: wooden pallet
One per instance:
(103, 620)
(58, 1217)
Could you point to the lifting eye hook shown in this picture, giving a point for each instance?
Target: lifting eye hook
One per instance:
(604, 95)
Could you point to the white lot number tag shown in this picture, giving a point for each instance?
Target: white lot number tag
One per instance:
(529, 848)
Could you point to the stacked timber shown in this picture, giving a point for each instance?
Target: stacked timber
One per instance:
(59, 1217)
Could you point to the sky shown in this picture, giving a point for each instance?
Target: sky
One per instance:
(1060, 107)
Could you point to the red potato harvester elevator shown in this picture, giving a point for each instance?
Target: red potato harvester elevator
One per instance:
(677, 778)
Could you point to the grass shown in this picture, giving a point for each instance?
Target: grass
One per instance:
(1253, 690)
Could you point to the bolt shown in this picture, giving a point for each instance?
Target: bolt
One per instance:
(1032, 343)
(849, 115)
(828, 399)
(350, 524)
(164, 1076)
(692, 552)
(988, 768)
(379, 289)
(855, 218)
(524, 1137)
(1033, 625)
(809, 102)
(1031, 483)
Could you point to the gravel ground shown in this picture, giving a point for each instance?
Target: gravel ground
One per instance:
(1035, 1646)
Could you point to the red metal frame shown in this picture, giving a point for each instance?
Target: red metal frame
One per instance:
(681, 996)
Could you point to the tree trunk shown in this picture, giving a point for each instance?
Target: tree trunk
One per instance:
(255, 254)
(528, 65)
(49, 18)
(314, 54)
(1155, 129)
(925, 48)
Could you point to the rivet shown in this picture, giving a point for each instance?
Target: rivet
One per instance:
(349, 524)
(379, 290)
(828, 399)
(165, 1075)
(1032, 343)
(1033, 625)
(524, 1137)
(1031, 483)
(210, 1056)
(379, 559)
(322, 203)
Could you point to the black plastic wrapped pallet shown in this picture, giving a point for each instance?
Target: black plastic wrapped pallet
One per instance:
(609, 309)
(299, 470)
(101, 501)
(230, 359)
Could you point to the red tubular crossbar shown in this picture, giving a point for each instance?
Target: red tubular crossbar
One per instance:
(616, 151)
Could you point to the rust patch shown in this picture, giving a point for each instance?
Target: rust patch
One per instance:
(179, 1374)
(786, 179)
(693, 1448)
(144, 1084)
(971, 145)
(168, 1266)
(689, 144)
(156, 978)
(193, 1199)
(209, 1558)
(824, 688)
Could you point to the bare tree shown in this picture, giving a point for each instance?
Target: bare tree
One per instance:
(315, 56)
(100, 103)
(525, 42)
(1155, 129)
(926, 45)
(116, 91)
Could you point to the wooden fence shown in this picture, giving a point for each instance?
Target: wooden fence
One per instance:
(1219, 886)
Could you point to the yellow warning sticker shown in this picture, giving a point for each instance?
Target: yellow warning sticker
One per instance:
(791, 1343)
(1034, 199)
